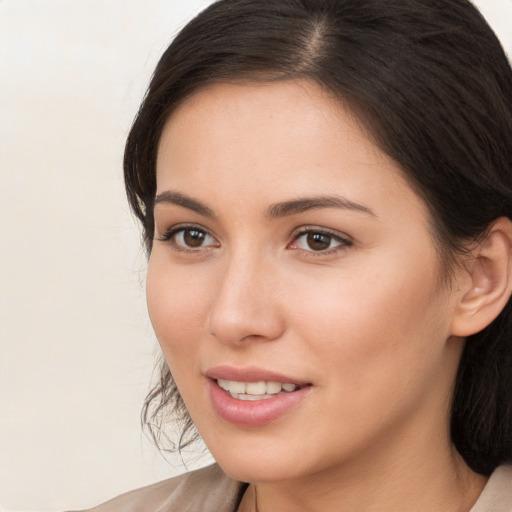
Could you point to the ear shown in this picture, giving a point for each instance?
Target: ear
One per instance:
(487, 282)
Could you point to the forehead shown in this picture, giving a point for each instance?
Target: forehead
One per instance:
(258, 110)
(273, 139)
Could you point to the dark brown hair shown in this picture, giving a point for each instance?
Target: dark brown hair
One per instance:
(432, 84)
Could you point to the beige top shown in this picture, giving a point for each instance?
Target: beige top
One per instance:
(211, 490)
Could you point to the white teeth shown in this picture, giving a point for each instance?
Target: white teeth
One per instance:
(236, 387)
(273, 387)
(224, 384)
(252, 398)
(255, 390)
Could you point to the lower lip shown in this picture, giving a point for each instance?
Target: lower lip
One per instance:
(254, 413)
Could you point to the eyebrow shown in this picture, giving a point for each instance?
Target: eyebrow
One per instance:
(302, 205)
(283, 209)
(176, 198)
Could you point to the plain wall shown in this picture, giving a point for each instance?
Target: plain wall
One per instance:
(77, 350)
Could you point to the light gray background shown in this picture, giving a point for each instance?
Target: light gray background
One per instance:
(77, 349)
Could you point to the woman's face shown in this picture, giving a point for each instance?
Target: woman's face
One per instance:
(295, 288)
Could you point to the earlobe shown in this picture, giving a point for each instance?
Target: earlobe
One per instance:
(488, 283)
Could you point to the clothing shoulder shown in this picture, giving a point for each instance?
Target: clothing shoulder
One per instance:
(204, 490)
(497, 494)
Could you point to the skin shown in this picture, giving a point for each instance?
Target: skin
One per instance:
(367, 321)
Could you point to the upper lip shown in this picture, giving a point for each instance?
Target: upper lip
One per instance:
(251, 374)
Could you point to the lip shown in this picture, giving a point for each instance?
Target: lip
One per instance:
(258, 412)
(252, 374)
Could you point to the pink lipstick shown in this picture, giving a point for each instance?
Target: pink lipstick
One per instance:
(252, 396)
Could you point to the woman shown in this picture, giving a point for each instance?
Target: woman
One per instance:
(325, 190)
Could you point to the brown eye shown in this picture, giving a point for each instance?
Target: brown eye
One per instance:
(318, 241)
(193, 237)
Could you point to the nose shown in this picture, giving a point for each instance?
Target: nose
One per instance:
(246, 306)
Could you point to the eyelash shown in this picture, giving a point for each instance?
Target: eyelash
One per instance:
(342, 242)
(169, 235)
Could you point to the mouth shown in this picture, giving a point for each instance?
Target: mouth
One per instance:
(252, 391)
(254, 397)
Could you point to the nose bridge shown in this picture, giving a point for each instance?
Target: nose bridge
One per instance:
(244, 306)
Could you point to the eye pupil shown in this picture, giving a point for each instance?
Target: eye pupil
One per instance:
(193, 237)
(318, 241)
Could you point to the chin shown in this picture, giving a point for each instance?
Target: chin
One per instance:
(255, 469)
(260, 458)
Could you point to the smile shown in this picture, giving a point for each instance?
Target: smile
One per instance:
(254, 402)
(261, 390)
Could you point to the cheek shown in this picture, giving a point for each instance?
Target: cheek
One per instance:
(177, 302)
(378, 345)
(372, 322)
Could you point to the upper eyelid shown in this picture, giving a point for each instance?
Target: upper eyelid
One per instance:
(294, 235)
(344, 242)
(316, 229)
(168, 238)
(168, 234)
(176, 228)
